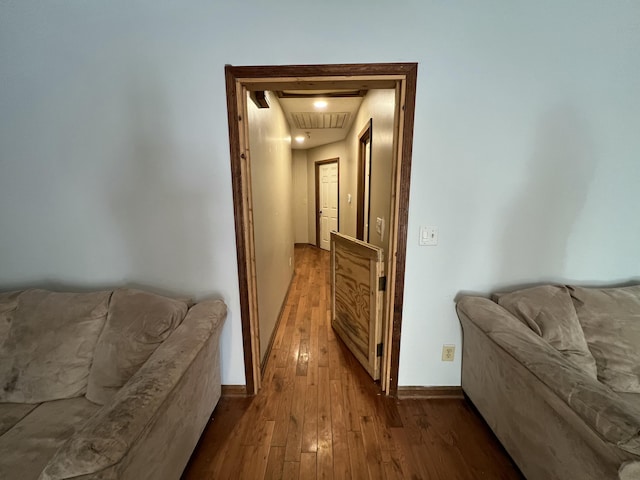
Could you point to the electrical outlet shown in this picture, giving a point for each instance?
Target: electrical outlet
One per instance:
(448, 353)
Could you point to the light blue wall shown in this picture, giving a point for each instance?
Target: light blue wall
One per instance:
(114, 163)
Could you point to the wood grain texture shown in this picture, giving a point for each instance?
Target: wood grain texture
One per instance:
(237, 181)
(430, 392)
(356, 268)
(399, 248)
(338, 425)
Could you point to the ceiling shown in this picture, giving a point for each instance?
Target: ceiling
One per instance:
(319, 126)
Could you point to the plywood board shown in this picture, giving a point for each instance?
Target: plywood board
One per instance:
(356, 303)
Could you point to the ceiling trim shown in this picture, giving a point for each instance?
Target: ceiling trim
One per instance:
(323, 94)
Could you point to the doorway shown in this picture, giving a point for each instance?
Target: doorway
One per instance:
(239, 81)
(364, 182)
(327, 206)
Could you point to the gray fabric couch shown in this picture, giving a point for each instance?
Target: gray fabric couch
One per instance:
(555, 372)
(104, 385)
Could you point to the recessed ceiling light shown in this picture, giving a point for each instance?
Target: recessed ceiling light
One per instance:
(300, 138)
(320, 104)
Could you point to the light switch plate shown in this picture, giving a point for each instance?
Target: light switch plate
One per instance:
(429, 236)
(380, 227)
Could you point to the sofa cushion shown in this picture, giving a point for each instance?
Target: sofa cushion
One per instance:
(136, 324)
(549, 312)
(26, 448)
(8, 304)
(610, 318)
(49, 348)
(629, 470)
(614, 417)
(12, 413)
(630, 397)
(154, 412)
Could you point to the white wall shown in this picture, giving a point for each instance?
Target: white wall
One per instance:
(300, 197)
(272, 192)
(114, 156)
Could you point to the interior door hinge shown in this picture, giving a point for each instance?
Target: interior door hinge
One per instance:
(379, 350)
(382, 284)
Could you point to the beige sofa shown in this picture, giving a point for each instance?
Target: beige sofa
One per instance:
(555, 372)
(104, 385)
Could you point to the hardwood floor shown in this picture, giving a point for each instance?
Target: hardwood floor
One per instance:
(319, 415)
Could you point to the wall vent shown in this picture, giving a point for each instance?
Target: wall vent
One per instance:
(319, 120)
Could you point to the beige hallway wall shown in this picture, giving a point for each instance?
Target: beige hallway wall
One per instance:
(377, 105)
(272, 187)
(300, 196)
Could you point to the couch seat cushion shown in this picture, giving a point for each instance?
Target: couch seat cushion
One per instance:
(549, 312)
(49, 348)
(136, 324)
(610, 318)
(632, 398)
(12, 413)
(26, 448)
(614, 418)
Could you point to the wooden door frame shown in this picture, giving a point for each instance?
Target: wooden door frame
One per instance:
(317, 183)
(239, 80)
(366, 134)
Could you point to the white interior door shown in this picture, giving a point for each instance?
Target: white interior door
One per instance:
(328, 199)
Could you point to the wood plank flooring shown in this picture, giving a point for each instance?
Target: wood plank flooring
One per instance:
(320, 416)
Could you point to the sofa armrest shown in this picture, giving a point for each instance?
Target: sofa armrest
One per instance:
(614, 419)
(108, 437)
